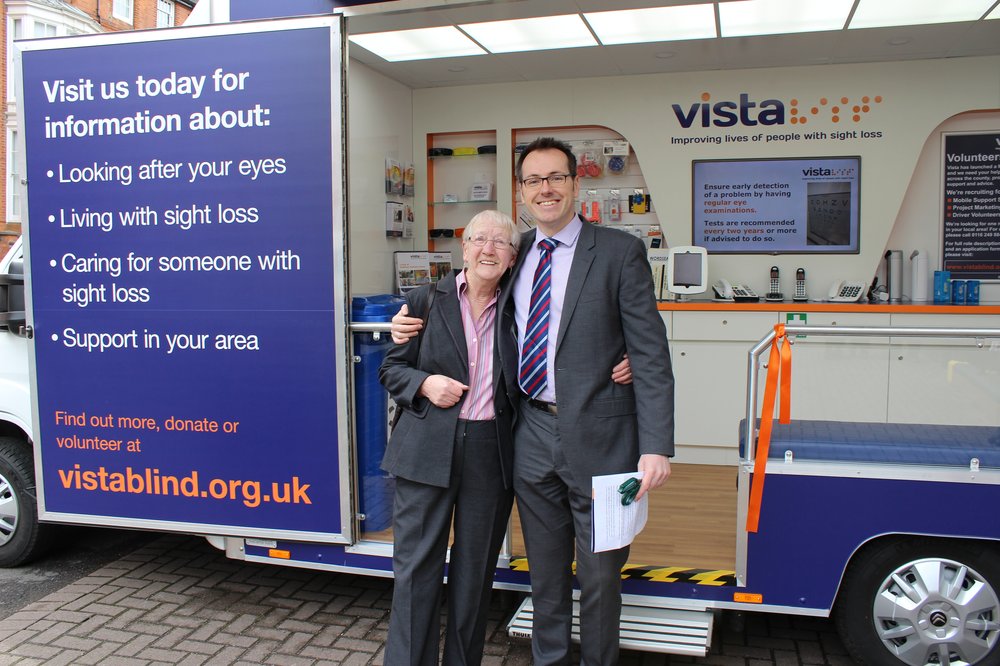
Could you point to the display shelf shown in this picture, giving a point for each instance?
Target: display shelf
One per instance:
(455, 175)
(491, 156)
(452, 203)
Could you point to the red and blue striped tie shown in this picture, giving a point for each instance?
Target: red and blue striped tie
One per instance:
(536, 337)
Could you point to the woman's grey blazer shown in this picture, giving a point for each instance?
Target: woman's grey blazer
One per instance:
(421, 446)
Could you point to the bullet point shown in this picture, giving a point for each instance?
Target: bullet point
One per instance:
(53, 263)
(55, 337)
(52, 218)
(50, 173)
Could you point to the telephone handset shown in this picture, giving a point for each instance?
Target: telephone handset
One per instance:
(846, 291)
(774, 293)
(738, 293)
(800, 286)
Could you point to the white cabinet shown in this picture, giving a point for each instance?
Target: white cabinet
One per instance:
(944, 380)
(709, 353)
(836, 378)
(840, 378)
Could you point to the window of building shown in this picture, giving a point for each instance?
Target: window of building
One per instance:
(43, 29)
(122, 10)
(164, 13)
(13, 181)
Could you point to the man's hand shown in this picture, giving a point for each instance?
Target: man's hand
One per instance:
(404, 327)
(656, 471)
(621, 373)
(442, 391)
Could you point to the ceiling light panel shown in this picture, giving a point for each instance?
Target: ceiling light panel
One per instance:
(772, 17)
(531, 34)
(657, 24)
(419, 44)
(882, 13)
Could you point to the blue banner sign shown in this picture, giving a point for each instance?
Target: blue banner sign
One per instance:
(241, 10)
(185, 221)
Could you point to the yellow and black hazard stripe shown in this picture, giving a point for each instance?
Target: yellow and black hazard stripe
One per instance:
(715, 577)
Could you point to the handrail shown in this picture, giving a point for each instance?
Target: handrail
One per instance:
(369, 327)
(749, 425)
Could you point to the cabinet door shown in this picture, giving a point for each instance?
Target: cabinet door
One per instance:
(945, 380)
(710, 353)
(838, 378)
(710, 394)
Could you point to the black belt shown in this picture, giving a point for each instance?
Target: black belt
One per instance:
(541, 405)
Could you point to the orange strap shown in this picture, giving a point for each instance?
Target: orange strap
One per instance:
(779, 364)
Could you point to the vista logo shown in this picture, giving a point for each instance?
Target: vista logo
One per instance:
(728, 114)
(824, 171)
(748, 112)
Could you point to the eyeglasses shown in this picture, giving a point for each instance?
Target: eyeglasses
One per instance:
(498, 243)
(555, 180)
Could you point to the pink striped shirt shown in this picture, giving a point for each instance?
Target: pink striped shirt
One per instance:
(478, 404)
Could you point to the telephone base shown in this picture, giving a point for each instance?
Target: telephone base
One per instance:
(800, 299)
(746, 299)
(774, 296)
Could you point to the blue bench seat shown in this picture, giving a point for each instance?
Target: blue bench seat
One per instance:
(908, 443)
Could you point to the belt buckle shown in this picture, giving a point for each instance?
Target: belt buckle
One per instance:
(544, 406)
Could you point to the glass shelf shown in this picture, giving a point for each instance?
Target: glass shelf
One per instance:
(452, 203)
(448, 157)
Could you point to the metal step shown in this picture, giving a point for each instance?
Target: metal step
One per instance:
(666, 630)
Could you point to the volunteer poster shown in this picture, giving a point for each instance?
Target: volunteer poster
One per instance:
(184, 227)
(971, 228)
(772, 206)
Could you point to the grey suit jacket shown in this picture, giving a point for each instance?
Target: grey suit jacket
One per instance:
(421, 447)
(609, 309)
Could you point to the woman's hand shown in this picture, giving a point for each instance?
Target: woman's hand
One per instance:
(621, 373)
(405, 327)
(442, 391)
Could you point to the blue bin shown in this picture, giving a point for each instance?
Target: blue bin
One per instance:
(372, 410)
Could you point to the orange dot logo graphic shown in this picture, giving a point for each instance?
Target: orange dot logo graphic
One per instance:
(842, 108)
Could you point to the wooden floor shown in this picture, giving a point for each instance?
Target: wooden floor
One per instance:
(692, 522)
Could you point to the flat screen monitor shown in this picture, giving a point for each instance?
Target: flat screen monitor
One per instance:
(802, 205)
(687, 270)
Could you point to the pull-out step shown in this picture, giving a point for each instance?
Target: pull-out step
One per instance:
(666, 630)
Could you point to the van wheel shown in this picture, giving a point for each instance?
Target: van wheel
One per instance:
(22, 538)
(918, 602)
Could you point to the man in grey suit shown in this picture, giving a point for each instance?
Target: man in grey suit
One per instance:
(580, 424)
(595, 303)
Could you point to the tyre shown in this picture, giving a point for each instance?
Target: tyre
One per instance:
(922, 601)
(22, 538)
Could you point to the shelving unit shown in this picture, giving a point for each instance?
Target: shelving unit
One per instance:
(454, 176)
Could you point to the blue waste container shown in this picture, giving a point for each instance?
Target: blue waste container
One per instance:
(372, 410)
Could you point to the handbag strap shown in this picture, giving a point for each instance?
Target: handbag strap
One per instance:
(426, 317)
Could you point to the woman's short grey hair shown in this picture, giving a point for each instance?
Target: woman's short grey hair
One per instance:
(494, 217)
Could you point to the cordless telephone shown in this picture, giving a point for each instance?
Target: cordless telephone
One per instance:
(800, 286)
(774, 294)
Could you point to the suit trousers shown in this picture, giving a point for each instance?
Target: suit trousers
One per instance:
(422, 515)
(555, 513)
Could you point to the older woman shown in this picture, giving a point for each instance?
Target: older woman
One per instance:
(451, 453)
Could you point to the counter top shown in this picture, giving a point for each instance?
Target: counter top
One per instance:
(822, 306)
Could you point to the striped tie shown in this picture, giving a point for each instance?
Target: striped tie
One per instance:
(536, 337)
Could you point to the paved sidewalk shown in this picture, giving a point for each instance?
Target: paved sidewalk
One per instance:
(179, 601)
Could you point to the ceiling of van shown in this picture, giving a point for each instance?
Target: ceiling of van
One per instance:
(948, 40)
